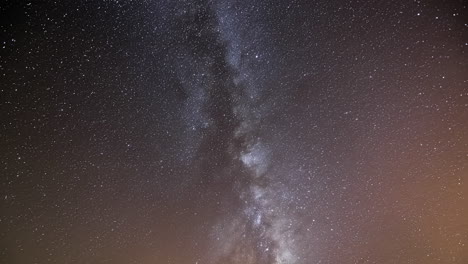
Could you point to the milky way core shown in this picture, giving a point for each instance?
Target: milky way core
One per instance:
(234, 132)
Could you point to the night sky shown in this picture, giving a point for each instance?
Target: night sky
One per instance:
(233, 132)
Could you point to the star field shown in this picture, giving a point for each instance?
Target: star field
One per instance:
(233, 132)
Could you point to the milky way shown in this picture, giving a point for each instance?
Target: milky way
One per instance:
(234, 132)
